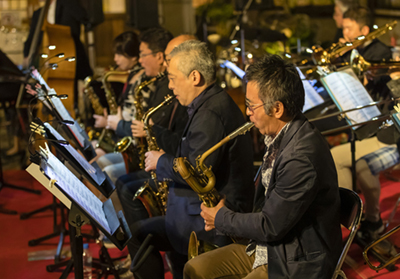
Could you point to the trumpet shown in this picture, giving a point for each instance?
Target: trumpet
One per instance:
(202, 180)
(372, 68)
(323, 57)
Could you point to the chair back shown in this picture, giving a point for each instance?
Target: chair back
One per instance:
(350, 217)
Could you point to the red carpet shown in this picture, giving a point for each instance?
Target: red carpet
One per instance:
(15, 233)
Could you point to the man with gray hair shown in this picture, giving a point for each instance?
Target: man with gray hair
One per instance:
(294, 227)
(212, 116)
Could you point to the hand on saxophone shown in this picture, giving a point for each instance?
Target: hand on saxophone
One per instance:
(209, 213)
(152, 159)
(100, 121)
(137, 128)
(113, 120)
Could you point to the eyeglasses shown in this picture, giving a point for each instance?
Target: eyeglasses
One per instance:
(252, 108)
(141, 55)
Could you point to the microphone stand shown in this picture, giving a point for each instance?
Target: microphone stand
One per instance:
(238, 26)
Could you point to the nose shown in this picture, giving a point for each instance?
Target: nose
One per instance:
(248, 111)
(170, 86)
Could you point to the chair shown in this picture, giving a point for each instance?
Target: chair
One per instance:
(350, 217)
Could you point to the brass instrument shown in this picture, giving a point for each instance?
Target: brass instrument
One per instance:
(96, 105)
(133, 147)
(105, 140)
(327, 56)
(372, 68)
(202, 180)
(154, 202)
(376, 242)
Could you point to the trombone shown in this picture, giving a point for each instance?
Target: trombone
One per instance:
(372, 68)
(327, 56)
(371, 245)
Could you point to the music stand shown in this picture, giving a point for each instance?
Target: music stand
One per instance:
(83, 205)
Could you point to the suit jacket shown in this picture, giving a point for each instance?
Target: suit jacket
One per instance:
(214, 117)
(298, 218)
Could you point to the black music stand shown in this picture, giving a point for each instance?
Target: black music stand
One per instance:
(84, 205)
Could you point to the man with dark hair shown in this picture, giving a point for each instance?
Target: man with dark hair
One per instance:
(212, 116)
(357, 21)
(341, 6)
(151, 57)
(294, 228)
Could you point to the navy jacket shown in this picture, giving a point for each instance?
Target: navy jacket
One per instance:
(299, 216)
(215, 116)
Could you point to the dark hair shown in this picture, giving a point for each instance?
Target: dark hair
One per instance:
(277, 80)
(157, 38)
(361, 15)
(127, 44)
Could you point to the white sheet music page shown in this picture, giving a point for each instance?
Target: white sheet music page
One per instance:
(66, 116)
(348, 93)
(76, 190)
(82, 161)
(311, 96)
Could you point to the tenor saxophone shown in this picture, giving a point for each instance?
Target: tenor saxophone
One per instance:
(131, 147)
(154, 202)
(202, 180)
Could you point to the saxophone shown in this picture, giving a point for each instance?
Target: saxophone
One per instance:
(95, 102)
(105, 140)
(132, 148)
(202, 180)
(154, 202)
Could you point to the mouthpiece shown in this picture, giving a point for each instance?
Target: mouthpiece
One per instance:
(241, 130)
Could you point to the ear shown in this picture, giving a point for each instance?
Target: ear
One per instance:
(160, 57)
(365, 30)
(195, 76)
(278, 110)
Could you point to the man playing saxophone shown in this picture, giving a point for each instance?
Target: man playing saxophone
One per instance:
(294, 228)
(212, 116)
(151, 58)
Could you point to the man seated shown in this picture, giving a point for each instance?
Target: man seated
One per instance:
(151, 57)
(357, 21)
(212, 116)
(294, 228)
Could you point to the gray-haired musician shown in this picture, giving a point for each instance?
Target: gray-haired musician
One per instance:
(294, 228)
(212, 116)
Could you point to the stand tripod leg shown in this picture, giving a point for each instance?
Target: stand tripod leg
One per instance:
(33, 191)
(26, 215)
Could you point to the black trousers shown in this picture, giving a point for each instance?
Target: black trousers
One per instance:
(141, 226)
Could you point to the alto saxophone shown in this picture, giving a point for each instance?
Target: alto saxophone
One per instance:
(105, 140)
(131, 147)
(154, 202)
(202, 180)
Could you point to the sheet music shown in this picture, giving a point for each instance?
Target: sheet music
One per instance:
(311, 96)
(75, 189)
(81, 160)
(35, 171)
(348, 93)
(64, 114)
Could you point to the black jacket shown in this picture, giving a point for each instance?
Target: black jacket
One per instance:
(214, 117)
(298, 218)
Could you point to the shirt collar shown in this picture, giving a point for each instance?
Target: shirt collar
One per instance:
(196, 102)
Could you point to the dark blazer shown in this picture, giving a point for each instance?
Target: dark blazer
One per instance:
(214, 117)
(69, 13)
(298, 218)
